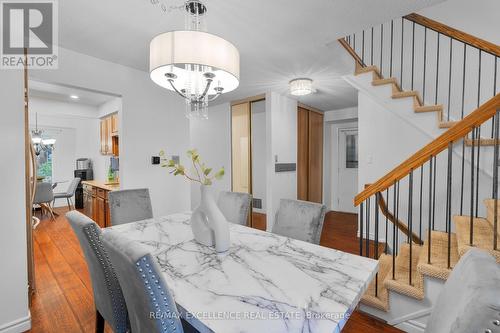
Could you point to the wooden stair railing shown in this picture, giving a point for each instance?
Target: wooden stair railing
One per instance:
(455, 34)
(382, 205)
(459, 131)
(398, 67)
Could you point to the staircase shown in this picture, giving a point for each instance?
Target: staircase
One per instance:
(410, 260)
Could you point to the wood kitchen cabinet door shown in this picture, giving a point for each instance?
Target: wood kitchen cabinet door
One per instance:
(101, 212)
(114, 124)
(103, 137)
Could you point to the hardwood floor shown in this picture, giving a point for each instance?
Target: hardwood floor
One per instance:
(64, 302)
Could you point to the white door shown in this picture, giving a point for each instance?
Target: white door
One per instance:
(347, 169)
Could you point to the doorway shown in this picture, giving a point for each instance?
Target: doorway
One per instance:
(347, 170)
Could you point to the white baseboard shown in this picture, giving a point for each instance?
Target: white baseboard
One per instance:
(17, 326)
(411, 327)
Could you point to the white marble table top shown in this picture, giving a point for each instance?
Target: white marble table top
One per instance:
(264, 283)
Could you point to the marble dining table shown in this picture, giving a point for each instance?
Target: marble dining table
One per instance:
(265, 283)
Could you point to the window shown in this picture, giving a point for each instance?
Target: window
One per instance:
(44, 165)
(351, 160)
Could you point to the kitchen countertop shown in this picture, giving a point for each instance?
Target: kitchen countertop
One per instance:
(102, 184)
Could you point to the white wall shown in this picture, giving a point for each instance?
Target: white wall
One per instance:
(333, 120)
(76, 129)
(152, 119)
(14, 314)
(212, 138)
(259, 181)
(281, 138)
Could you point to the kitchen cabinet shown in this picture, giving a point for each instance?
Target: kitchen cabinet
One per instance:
(109, 135)
(87, 200)
(96, 204)
(114, 124)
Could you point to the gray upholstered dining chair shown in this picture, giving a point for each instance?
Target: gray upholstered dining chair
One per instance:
(144, 288)
(470, 299)
(235, 206)
(44, 197)
(129, 206)
(70, 192)
(108, 297)
(302, 220)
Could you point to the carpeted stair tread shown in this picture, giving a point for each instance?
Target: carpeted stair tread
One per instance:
(401, 282)
(380, 302)
(438, 267)
(482, 237)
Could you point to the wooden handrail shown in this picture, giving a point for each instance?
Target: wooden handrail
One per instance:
(455, 34)
(350, 50)
(397, 222)
(457, 132)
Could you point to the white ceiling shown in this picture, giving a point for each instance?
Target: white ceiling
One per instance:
(62, 93)
(278, 40)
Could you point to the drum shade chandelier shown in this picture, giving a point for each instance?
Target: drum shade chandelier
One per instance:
(195, 64)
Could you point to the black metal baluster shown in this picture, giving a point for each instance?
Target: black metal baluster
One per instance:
(429, 230)
(402, 48)
(367, 240)
(363, 46)
(495, 183)
(386, 220)
(473, 160)
(412, 53)
(477, 169)
(375, 206)
(494, 93)
(463, 81)
(437, 70)
(463, 141)
(421, 196)
(361, 213)
(392, 43)
(434, 194)
(449, 77)
(394, 234)
(381, 47)
(397, 220)
(410, 222)
(354, 42)
(371, 51)
(448, 195)
(425, 64)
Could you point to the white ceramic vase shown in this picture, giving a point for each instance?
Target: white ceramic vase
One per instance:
(209, 225)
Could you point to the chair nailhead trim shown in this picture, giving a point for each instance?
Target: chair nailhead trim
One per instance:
(164, 307)
(120, 314)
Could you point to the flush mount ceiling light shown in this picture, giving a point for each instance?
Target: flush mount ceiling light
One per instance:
(74, 97)
(301, 87)
(195, 64)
